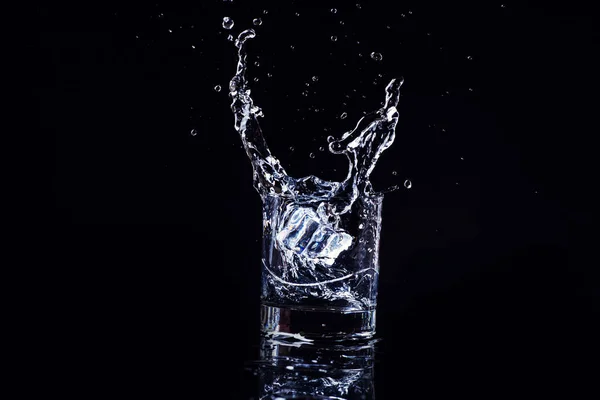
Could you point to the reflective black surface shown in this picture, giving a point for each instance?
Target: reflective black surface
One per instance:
(148, 263)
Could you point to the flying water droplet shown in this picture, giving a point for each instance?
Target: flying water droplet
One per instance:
(218, 88)
(291, 148)
(230, 38)
(312, 155)
(330, 139)
(358, 6)
(407, 184)
(334, 38)
(469, 58)
(343, 115)
(256, 79)
(170, 31)
(297, 14)
(257, 21)
(269, 75)
(334, 10)
(341, 22)
(394, 173)
(292, 47)
(376, 56)
(193, 132)
(315, 78)
(227, 23)
(265, 12)
(321, 148)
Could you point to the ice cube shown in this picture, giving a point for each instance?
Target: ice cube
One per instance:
(304, 232)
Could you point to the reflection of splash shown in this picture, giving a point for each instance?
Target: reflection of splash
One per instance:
(316, 370)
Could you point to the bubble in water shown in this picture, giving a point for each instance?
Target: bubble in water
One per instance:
(227, 23)
(361, 226)
(269, 75)
(344, 115)
(315, 78)
(407, 184)
(291, 148)
(330, 139)
(334, 38)
(218, 88)
(321, 148)
(297, 14)
(292, 47)
(257, 21)
(394, 173)
(193, 132)
(265, 12)
(376, 56)
(469, 58)
(312, 155)
(256, 79)
(334, 10)
(341, 22)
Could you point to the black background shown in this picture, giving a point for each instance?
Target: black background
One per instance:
(485, 287)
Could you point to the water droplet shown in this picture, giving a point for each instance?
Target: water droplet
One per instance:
(292, 47)
(321, 148)
(170, 31)
(403, 15)
(315, 78)
(407, 184)
(344, 115)
(410, 12)
(227, 23)
(265, 12)
(334, 38)
(291, 148)
(193, 132)
(193, 47)
(256, 79)
(312, 155)
(358, 6)
(394, 173)
(290, 367)
(257, 21)
(376, 56)
(360, 226)
(361, 240)
(469, 58)
(341, 22)
(230, 38)
(330, 139)
(370, 250)
(269, 75)
(470, 89)
(388, 27)
(297, 14)
(503, 5)
(334, 10)
(218, 88)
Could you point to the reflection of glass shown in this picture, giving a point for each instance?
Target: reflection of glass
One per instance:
(316, 371)
(320, 272)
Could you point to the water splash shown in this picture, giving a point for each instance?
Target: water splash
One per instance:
(362, 146)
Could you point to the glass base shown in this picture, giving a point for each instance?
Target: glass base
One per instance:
(312, 323)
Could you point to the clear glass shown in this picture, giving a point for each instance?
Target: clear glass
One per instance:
(319, 279)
